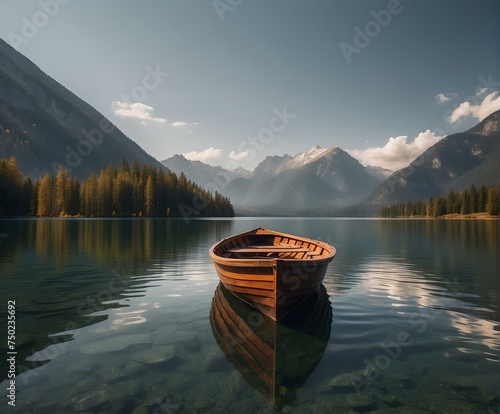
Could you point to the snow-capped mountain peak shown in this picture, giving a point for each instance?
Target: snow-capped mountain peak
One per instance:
(304, 157)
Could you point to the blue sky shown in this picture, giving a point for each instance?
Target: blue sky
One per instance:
(232, 81)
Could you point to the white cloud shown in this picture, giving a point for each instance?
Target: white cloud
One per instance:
(397, 153)
(205, 155)
(445, 97)
(179, 124)
(482, 91)
(136, 110)
(239, 155)
(481, 110)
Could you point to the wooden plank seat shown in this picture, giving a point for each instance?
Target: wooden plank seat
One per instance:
(268, 249)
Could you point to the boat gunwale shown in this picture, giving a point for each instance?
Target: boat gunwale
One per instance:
(270, 261)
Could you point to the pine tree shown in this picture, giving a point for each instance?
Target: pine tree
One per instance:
(493, 202)
(74, 197)
(439, 207)
(124, 167)
(451, 202)
(11, 182)
(149, 197)
(45, 196)
(464, 202)
(105, 194)
(429, 208)
(483, 196)
(24, 207)
(62, 192)
(34, 198)
(474, 199)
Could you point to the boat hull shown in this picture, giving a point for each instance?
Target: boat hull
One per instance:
(274, 272)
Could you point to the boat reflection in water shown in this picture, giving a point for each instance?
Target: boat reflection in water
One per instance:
(274, 358)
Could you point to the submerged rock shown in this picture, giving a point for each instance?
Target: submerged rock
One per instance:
(215, 361)
(130, 387)
(248, 405)
(24, 340)
(112, 373)
(204, 404)
(50, 353)
(185, 340)
(114, 343)
(140, 410)
(460, 382)
(84, 367)
(356, 380)
(359, 401)
(389, 399)
(479, 396)
(91, 399)
(319, 409)
(162, 335)
(178, 382)
(155, 355)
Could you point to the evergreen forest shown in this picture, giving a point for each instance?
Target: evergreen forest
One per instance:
(468, 201)
(124, 191)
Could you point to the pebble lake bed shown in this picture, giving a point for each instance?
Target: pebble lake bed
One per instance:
(125, 316)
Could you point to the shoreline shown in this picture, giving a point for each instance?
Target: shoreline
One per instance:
(471, 216)
(453, 216)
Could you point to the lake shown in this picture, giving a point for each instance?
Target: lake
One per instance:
(126, 315)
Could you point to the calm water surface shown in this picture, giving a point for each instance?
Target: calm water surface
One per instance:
(127, 316)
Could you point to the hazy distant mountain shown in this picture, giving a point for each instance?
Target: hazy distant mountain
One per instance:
(269, 166)
(329, 181)
(212, 178)
(43, 124)
(454, 163)
(314, 178)
(379, 172)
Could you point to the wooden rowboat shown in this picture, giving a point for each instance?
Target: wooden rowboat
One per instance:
(272, 271)
(273, 358)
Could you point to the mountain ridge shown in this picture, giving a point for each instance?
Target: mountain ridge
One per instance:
(453, 163)
(315, 177)
(45, 125)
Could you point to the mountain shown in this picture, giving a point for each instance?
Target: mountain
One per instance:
(453, 163)
(314, 178)
(269, 166)
(379, 172)
(209, 177)
(44, 125)
(304, 157)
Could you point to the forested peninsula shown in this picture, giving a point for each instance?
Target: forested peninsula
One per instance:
(123, 191)
(474, 202)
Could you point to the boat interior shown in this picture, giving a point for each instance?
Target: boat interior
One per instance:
(270, 246)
